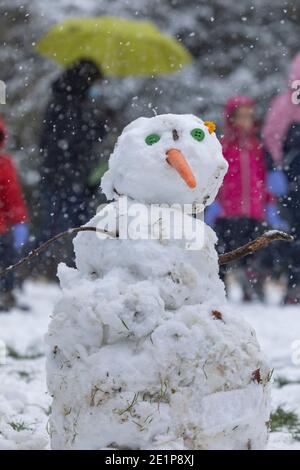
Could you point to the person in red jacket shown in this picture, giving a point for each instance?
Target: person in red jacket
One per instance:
(13, 221)
(244, 202)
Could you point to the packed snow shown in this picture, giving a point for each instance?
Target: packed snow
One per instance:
(25, 402)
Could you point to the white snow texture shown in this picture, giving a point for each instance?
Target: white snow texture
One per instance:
(144, 353)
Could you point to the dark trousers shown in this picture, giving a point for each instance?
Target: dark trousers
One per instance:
(64, 208)
(290, 252)
(235, 232)
(7, 258)
(290, 259)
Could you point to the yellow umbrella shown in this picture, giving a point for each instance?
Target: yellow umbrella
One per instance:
(118, 46)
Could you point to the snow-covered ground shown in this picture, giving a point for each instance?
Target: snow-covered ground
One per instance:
(25, 404)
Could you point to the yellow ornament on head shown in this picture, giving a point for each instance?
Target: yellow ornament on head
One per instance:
(211, 126)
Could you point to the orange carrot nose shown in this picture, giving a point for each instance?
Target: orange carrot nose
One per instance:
(178, 161)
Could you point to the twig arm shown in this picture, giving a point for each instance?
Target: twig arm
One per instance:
(49, 242)
(254, 245)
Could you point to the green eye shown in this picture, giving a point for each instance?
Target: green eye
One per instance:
(198, 134)
(152, 139)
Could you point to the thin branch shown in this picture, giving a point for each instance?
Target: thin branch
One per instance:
(254, 245)
(49, 242)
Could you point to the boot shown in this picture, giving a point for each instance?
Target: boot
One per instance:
(256, 281)
(292, 296)
(251, 284)
(7, 301)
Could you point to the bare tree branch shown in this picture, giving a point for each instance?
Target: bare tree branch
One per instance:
(254, 245)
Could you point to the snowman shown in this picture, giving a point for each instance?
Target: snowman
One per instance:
(143, 351)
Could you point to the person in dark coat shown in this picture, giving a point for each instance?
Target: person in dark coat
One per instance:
(282, 140)
(71, 127)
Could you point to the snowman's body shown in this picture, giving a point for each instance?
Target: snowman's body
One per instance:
(144, 353)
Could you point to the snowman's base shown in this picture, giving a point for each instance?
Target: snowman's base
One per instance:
(233, 420)
(195, 382)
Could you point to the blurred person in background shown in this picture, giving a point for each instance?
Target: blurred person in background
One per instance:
(281, 135)
(244, 202)
(13, 222)
(71, 127)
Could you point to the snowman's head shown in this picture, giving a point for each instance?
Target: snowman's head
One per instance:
(169, 159)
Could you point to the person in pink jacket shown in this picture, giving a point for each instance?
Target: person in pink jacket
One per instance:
(244, 202)
(281, 135)
(244, 192)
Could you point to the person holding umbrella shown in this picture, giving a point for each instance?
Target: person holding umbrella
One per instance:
(70, 129)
